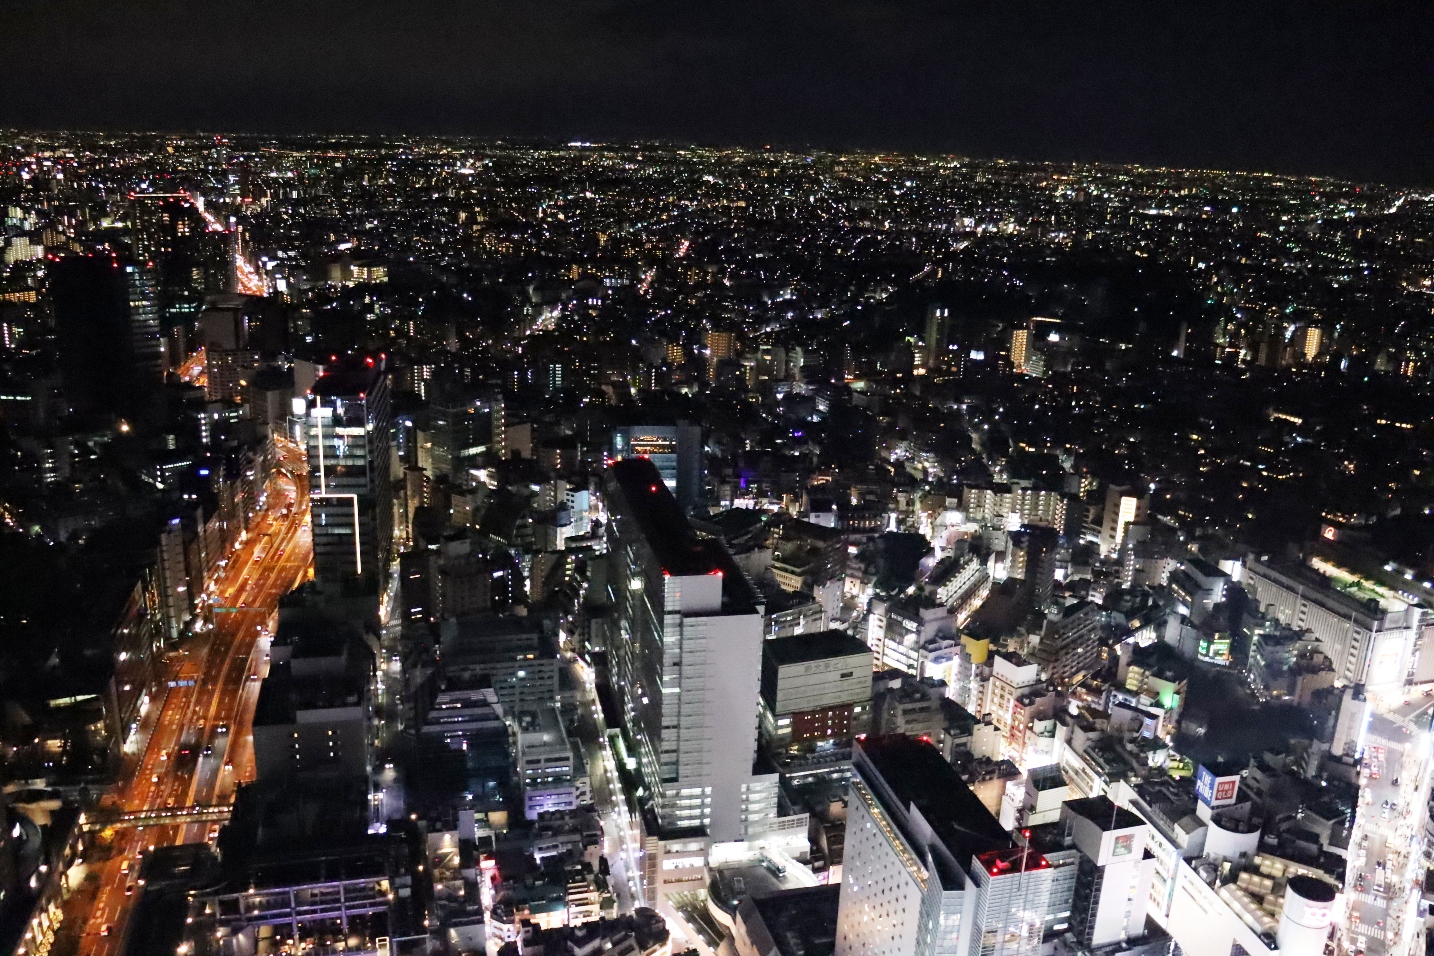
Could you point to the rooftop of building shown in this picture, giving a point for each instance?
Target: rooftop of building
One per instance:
(484, 635)
(1049, 777)
(919, 777)
(728, 884)
(1332, 584)
(1077, 607)
(1172, 803)
(292, 832)
(647, 929)
(1048, 838)
(801, 922)
(958, 719)
(544, 721)
(1204, 568)
(1013, 658)
(1104, 813)
(736, 525)
(1161, 660)
(779, 600)
(309, 637)
(673, 540)
(800, 529)
(949, 566)
(349, 376)
(814, 646)
(284, 694)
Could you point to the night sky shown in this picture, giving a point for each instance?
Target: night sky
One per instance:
(1343, 88)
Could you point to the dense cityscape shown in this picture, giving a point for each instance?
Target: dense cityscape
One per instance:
(433, 546)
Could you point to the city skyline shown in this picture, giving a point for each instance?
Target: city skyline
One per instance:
(1314, 90)
(448, 547)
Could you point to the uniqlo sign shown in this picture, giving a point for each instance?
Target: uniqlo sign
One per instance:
(1216, 791)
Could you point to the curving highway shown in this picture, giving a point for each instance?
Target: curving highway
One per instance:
(195, 744)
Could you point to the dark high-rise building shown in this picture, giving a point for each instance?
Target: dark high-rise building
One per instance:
(107, 326)
(234, 321)
(938, 336)
(350, 496)
(675, 450)
(146, 339)
(459, 431)
(189, 259)
(159, 222)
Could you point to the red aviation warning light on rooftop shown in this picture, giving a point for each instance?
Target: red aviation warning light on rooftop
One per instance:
(1018, 860)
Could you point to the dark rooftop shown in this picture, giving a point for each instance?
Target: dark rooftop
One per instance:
(349, 376)
(1203, 568)
(1104, 813)
(816, 646)
(917, 775)
(802, 922)
(671, 536)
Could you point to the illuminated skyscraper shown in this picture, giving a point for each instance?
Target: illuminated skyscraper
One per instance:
(1110, 887)
(350, 498)
(1020, 347)
(1123, 507)
(928, 869)
(146, 341)
(721, 346)
(1307, 340)
(189, 260)
(686, 660)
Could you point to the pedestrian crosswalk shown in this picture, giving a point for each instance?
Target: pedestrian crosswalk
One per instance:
(1369, 896)
(1373, 932)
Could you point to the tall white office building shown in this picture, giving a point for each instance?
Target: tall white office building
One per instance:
(928, 870)
(686, 662)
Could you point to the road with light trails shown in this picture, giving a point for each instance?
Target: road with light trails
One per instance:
(246, 277)
(194, 371)
(200, 746)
